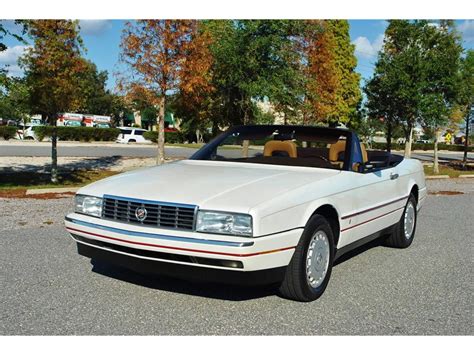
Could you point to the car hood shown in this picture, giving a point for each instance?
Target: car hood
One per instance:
(209, 184)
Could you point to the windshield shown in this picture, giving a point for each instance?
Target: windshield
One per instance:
(279, 145)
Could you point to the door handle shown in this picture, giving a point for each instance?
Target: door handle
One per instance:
(393, 176)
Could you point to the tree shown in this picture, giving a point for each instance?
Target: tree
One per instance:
(321, 72)
(413, 80)
(253, 60)
(380, 103)
(193, 101)
(96, 99)
(52, 67)
(156, 51)
(439, 86)
(348, 93)
(14, 99)
(403, 67)
(466, 95)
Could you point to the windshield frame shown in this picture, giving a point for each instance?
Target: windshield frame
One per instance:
(204, 152)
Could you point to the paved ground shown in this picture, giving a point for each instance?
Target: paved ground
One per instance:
(427, 289)
(76, 149)
(43, 149)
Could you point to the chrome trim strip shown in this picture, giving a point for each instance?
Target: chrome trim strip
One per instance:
(159, 236)
(150, 201)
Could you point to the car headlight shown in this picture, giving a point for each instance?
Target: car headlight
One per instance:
(224, 223)
(89, 205)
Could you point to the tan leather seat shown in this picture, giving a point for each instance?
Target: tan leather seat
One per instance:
(340, 146)
(335, 149)
(280, 146)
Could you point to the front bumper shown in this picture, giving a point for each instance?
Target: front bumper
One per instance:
(205, 251)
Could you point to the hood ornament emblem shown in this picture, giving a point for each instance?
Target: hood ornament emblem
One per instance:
(141, 213)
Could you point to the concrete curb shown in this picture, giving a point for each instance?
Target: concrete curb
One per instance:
(436, 177)
(58, 190)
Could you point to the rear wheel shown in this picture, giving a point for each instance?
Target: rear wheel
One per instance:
(132, 141)
(309, 270)
(404, 232)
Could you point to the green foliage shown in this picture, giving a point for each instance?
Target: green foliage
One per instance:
(415, 76)
(170, 137)
(7, 132)
(14, 99)
(264, 117)
(466, 80)
(96, 99)
(253, 59)
(84, 134)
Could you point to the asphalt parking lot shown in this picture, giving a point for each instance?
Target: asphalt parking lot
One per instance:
(427, 289)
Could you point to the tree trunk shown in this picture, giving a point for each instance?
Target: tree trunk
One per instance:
(54, 151)
(435, 153)
(245, 148)
(408, 143)
(466, 141)
(160, 159)
(389, 137)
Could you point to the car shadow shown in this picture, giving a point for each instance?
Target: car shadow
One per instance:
(206, 289)
(188, 287)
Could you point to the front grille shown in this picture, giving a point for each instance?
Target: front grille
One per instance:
(158, 214)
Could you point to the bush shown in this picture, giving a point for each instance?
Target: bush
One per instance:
(170, 137)
(84, 134)
(7, 132)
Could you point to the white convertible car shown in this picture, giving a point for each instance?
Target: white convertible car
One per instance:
(258, 204)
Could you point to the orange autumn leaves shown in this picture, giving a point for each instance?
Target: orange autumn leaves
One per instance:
(321, 71)
(165, 56)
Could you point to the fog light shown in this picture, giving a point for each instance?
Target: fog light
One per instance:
(232, 264)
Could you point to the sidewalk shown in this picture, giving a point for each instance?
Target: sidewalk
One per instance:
(43, 164)
(14, 142)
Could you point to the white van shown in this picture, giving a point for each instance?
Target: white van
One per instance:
(131, 135)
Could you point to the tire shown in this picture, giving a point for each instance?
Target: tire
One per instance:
(403, 233)
(296, 284)
(132, 141)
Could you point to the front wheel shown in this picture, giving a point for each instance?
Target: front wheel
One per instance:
(404, 232)
(309, 270)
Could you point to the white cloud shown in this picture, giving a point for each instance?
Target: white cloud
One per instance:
(94, 27)
(9, 59)
(467, 30)
(366, 49)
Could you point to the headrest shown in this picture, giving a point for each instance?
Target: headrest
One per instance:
(336, 148)
(280, 146)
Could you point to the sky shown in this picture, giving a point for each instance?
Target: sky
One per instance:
(102, 42)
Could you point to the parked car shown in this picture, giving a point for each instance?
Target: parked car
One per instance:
(258, 204)
(131, 135)
(27, 132)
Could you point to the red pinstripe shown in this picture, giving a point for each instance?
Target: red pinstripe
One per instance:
(181, 249)
(369, 220)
